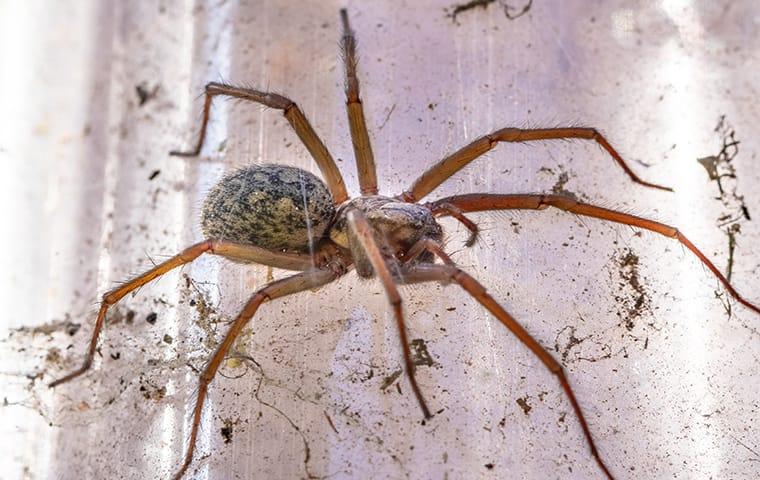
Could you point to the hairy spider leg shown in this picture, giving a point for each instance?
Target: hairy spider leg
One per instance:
(431, 246)
(447, 209)
(279, 288)
(445, 274)
(288, 261)
(295, 117)
(438, 173)
(363, 233)
(365, 160)
(483, 201)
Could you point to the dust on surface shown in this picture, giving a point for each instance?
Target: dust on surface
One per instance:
(208, 318)
(228, 429)
(420, 357)
(420, 354)
(146, 93)
(563, 177)
(721, 169)
(151, 391)
(65, 325)
(389, 379)
(632, 299)
(510, 11)
(524, 405)
(573, 349)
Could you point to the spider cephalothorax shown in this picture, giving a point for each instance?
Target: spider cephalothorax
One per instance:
(397, 227)
(287, 218)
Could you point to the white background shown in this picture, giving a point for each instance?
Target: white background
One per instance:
(670, 392)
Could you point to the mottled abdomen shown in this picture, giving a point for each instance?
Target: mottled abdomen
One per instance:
(270, 206)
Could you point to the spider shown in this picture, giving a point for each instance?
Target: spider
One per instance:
(284, 217)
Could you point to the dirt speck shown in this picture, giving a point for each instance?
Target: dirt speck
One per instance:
(151, 391)
(388, 380)
(568, 345)
(559, 186)
(420, 354)
(66, 325)
(227, 430)
(721, 169)
(633, 300)
(510, 11)
(523, 402)
(145, 93)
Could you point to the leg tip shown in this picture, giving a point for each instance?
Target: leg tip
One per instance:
(55, 383)
(177, 153)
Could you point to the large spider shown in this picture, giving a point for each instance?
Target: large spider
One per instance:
(287, 218)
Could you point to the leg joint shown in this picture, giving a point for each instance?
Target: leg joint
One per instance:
(110, 297)
(213, 87)
(287, 108)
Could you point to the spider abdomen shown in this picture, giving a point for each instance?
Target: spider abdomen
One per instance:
(275, 207)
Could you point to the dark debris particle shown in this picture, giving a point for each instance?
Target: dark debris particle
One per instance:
(154, 174)
(226, 432)
(388, 381)
(144, 94)
(72, 328)
(510, 12)
(489, 466)
(116, 355)
(151, 392)
(463, 7)
(523, 402)
(151, 318)
(637, 302)
(420, 354)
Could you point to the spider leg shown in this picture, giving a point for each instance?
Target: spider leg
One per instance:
(296, 119)
(447, 209)
(431, 246)
(279, 288)
(364, 234)
(438, 173)
(217, 247)
(479, 202)
(447, 273)
(365, 160)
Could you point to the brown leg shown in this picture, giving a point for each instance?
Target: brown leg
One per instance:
(365, 160)
(280, 288)
(447, 167)
(478, 202)
(431, 246)
(239, 251)
(296, 119)
(363, 233)
(447, 209)
(447, 273)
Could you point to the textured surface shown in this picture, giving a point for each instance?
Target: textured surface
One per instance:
(94, 95)
(276, 207)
